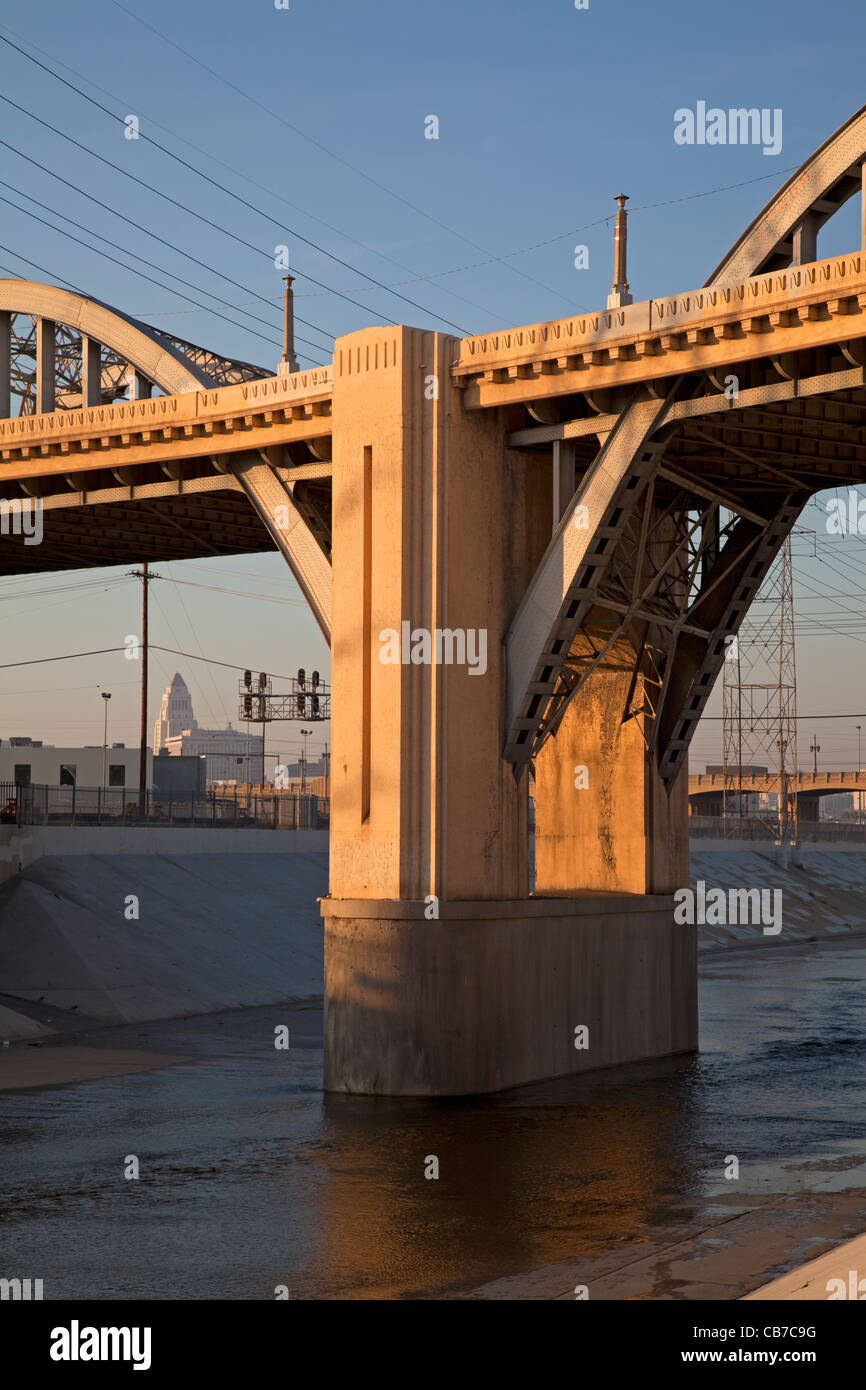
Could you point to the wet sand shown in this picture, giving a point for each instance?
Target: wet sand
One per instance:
(25, 1066)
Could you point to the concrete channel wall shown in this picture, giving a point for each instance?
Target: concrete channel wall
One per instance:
(231, 918)
(21, 846)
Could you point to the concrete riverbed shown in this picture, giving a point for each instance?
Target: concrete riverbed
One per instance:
(251, 1178)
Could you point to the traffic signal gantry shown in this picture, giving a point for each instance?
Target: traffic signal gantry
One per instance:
(310, 700)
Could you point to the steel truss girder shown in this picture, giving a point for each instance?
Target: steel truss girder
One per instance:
(565, 586)
(823, 183)
(166, 361)
(290, 531)
(724, 599)
(654, 598)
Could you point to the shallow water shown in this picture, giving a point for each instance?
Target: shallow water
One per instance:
(250, 1178)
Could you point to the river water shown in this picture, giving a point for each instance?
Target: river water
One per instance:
(251, 1179)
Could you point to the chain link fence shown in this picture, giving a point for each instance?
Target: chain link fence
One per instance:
(44, 805)
(767, 828)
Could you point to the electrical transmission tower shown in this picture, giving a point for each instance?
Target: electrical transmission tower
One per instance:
(759, 704)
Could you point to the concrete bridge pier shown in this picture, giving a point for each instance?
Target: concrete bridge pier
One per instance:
(443, 976)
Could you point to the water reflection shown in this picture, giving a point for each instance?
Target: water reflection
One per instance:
(252, 1178)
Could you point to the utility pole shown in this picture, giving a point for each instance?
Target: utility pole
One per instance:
(814, 749)
(146, 578)
(106, 695)
(305, 734)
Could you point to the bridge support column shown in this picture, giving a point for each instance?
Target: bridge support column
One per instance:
(442, 975)
(603, 820)
(429, 548)
(428, 542)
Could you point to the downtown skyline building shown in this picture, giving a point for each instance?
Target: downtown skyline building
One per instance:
(232, 755)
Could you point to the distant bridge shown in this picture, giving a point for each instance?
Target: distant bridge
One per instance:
(706, 789)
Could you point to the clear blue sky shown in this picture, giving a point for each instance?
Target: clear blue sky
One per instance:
(545, 113)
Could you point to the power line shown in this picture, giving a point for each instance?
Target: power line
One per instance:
(200, 288)
(216, 184)
(154, 646)
(131, 269)
(331, 153)
(240, 593)
(390, 191)
(168, 624)
(54, 278)
(198, 644)
(508, 255)
(263, 188)
(327, 290)
(233, 666)
(71, 656)
(147, 232)
(230, 665)
(522, 251)
(716, 718)
(167, 198)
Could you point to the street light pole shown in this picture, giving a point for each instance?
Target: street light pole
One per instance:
(859, 792)
(305, 733)
(106, 695)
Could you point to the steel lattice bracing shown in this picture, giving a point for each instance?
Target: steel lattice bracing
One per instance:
(759, 700)
(127, 358)
(652, 442)
(90, 375)
(790, 423)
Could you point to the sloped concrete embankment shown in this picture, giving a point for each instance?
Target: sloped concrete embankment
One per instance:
(823, 892)
(213, 931)
(235, 930)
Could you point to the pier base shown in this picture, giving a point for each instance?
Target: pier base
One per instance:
(490, 995)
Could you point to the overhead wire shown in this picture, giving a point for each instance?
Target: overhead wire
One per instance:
(216, 184)
(131, 269)
(263, 188)
(76, 188)
(165, 196)
(383, 187)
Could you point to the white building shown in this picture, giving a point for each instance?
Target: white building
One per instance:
(232, 755)
(34, 764)
(175, 713)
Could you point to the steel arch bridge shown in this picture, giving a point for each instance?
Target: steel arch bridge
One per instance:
(92, 354)
(600, 495)
(630, 403)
